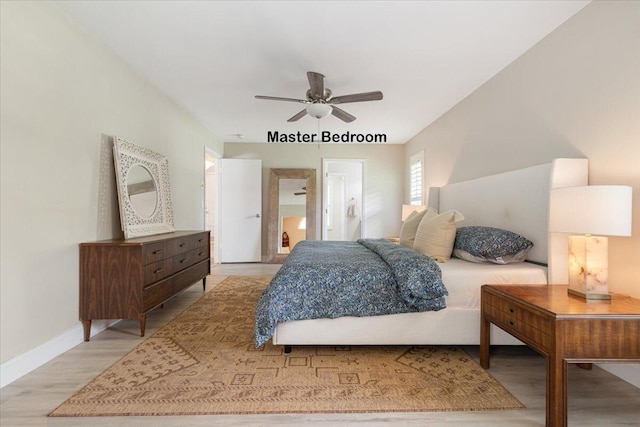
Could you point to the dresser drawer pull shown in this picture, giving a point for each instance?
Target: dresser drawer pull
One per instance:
(201, 253)
(183, 245)
(200, 240)
(160, 270)
(158, 252)
(511, 323)
(511, 310)
(182, 260)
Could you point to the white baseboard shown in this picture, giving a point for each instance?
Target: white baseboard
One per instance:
(627, 371)
(21, 365)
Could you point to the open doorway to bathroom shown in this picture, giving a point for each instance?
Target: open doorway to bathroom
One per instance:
(343, 199)
(211, 200)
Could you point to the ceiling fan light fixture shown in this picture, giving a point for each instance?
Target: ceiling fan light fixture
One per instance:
(319, 110)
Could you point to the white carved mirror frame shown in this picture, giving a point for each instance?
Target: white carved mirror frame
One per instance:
(274, 191)
(128, 156)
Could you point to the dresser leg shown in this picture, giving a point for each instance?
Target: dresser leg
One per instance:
(86, 325)
(143, 324)
(204, 283)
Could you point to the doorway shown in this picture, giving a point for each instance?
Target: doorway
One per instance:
(343, 199)
(212, 201)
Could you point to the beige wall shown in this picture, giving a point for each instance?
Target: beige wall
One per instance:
(384, 175)
(575, 94)
(62, 96)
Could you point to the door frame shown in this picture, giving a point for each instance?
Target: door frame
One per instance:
(342, 177)
(212, 193)
(326, 162)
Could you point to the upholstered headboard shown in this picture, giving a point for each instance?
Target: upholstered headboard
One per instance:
(517, 201)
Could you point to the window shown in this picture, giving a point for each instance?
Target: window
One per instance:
(415, 178)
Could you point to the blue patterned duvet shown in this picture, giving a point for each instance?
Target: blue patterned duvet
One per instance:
(327, 279)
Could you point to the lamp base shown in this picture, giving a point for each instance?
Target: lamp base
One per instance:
(588, 267)
(595, 297)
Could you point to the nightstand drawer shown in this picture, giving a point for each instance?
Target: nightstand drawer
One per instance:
(520, 323)
(518, 311)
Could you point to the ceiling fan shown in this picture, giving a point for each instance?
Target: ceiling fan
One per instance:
(300, 193)
(320, 102)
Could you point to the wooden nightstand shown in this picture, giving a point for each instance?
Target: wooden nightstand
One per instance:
(566, 329)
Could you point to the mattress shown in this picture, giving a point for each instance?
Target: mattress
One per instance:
(463, 279)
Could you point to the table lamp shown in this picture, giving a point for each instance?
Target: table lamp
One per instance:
(595, 211)
(407, 209)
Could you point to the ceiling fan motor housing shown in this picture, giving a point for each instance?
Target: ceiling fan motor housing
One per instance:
(319, 102)
(313, 98)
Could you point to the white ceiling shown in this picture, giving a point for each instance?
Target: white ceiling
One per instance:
(212, 57)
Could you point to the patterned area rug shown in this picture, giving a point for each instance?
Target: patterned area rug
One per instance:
(204, 362)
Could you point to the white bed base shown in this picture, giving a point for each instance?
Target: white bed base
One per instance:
(517, 201)
(427, 328)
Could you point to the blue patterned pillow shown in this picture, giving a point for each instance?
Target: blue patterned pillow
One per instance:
(489, 244)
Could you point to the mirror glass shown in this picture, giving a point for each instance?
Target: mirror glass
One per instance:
(292, 215)
(142, 191)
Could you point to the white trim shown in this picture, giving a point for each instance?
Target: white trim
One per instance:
(21, 365)
(212, 154)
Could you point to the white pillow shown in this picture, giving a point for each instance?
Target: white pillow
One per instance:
(410, 226)
(436, 234)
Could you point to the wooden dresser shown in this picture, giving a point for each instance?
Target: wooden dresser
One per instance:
(125, 279)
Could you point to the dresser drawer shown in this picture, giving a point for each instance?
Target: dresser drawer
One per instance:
(200, 254)
(158, 271)
(516, 320)
(188, 243)
(202, 240)
(166, 267)
(157, 251)
(161, 291)
(182, 261)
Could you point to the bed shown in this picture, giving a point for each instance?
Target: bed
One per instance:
(517, 201)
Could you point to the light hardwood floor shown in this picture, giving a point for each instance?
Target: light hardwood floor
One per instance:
(596, 397)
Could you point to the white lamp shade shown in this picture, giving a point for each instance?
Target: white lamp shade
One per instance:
(319, 110)
(594, 209)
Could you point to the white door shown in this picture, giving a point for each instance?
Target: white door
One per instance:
(240, 210)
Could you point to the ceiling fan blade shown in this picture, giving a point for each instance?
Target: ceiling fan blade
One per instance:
(277, 98)
(342, 115)
(299, 193)
(298, 116)
(316, 83)
(357, 97)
